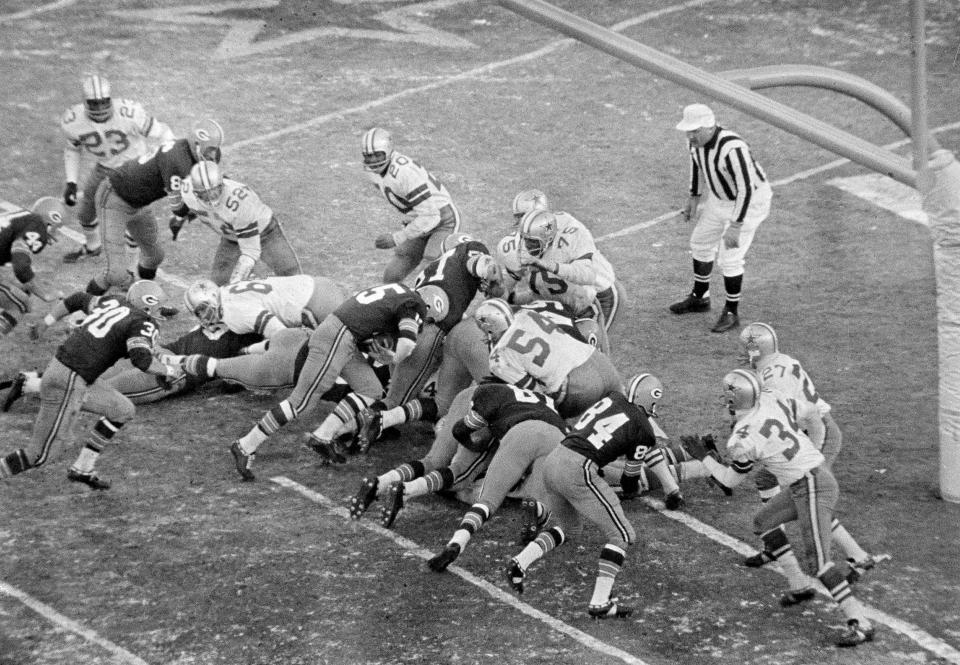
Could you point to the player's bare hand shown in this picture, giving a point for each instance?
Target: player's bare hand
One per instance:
(731, 237)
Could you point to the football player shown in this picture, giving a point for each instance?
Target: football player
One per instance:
(24, 233)
(249, 230)
(770, 430)
(110, 134)
(536, 350)
(384, 321)
(760, 348)
(125, 195)
(429, 214)
(115, 327)
(615, 426)
(264, 306)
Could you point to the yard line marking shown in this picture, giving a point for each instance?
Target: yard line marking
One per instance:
(463, 76)
(497, 593)
(54, 617)
(37, 10)
(905, 628)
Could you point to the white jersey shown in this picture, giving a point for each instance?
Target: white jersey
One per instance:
(531, 283)
(239, 215)
(534, 345)
(785, 374)
(771, 435)
(112, 142)
(267, 305)
(416, 193)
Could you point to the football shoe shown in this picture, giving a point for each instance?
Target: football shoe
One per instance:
(392, 505)
(88, 479)
(609, 610)
(243, 461)
(366, 495)
(439, 563)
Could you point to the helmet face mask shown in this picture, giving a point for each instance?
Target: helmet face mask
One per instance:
(757, 341)
(96, 98)
(53, 213)
(646, 391)
(147, 296)
(538, 229)
(527, 201)
(741, 391)
(377, 149)
(202, 298)
(206, 180)
(493, 317)
(206, 139)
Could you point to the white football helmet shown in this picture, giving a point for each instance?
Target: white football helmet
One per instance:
(538, 228)
(53, 212)
(202, 298)
(206, 137)
(741, 390)
(377, 149)
(525, 201)
(493, 317)
(96, 98)
(147, 296)
(206, 180)
(757, 341)
(437, 300)
(645, 390)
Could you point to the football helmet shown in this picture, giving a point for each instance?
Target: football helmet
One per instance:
(493, 317)
(96, 98)
(202, 298)
(147, 296)
(757, 341)
(206, 180)
(377, 149)
(437, 300)
(206, 137)
(590, 330)
(538, 228)
(525, 201)
(455, 239)
(645, 390)
(741, 390)
(52, 211)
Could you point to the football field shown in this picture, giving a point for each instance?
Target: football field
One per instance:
(180, 563)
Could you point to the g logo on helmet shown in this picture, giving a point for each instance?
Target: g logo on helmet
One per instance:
(656, 393)
(150, 299)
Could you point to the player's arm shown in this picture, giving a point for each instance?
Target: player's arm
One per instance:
(728, 476)
(247, 228)
(408, 330)
(425, 214)
(156, 131)
(694, 189)
(738, 160)
(71, 161)
(811, 422)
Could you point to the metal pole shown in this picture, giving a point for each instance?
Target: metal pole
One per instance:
(777, 114)
(918, 93)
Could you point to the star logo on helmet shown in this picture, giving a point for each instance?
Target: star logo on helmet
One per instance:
(260, 26)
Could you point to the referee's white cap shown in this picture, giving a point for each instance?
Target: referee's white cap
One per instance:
(696, 116)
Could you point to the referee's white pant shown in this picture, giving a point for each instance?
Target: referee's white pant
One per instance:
(706, 241)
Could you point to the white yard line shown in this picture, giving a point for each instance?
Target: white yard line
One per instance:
(36, 10)
(120, 654)
(495, 592)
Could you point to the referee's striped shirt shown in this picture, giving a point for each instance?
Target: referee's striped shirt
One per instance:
(729, 170)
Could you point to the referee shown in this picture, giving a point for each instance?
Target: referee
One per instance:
(729, 197)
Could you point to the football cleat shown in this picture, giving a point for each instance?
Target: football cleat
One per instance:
(691, 304)
(609, 610)
(88, 479)
(439, 563)
(515, 576)
(371, 427)
(531, 523)
(243, 461)
(797, 596)
(759, 559)
(366, 495)
(674, 501)
(330, 451)
(855, 634)
(15, 392)
(392, 505)
(82, 254)
(727, 321)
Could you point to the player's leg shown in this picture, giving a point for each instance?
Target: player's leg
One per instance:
(113, 213)
(224, 260)
(588, 383)
(406, 257)
(277, 252)
(87, 217)
(115, 411)
(142, 388)
(143, 229)
(14, 303)
(327, 296)
(62, 393)
(275, 368)
(704, 241)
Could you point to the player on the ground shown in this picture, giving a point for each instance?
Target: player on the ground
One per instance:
(24, 233)
(384, 321)
(125, 195)
(115, 327)
(249, 230)
(109, 133)
(429, 213)
(769, 431)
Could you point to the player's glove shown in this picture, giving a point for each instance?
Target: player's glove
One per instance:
(385, 241)
(70, 194)
(698, 447)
